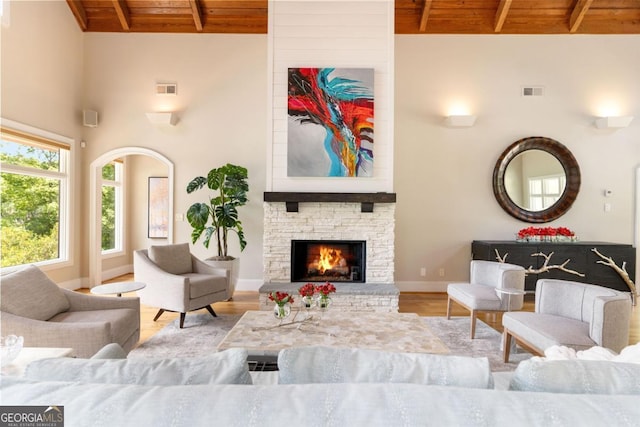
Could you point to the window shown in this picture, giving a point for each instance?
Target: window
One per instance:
(34, 196)
(112, 208)
(545, 191)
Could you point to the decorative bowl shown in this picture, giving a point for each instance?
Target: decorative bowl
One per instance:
(10, 347)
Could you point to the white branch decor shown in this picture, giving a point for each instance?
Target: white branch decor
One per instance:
(608, 261)
(546, 267)
(502, 259)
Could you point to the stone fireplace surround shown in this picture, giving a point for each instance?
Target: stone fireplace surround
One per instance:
(331, 216)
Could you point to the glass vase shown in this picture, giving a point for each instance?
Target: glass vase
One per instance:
(324, 302)
(307, 302)
(282, 311)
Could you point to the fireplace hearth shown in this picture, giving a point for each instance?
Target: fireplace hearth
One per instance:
(328, 260)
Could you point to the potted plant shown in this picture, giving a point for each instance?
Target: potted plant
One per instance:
(218, 217)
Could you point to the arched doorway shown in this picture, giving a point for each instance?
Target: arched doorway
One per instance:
(95, 203)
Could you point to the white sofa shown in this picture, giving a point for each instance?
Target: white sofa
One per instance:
(350, 388)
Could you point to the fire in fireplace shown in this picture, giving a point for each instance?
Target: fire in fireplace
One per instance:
(328, 260)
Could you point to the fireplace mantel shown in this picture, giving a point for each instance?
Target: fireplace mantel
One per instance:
(366, 200)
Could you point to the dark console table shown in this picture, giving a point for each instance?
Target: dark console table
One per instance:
(574, 261)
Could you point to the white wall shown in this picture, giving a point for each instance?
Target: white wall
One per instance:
(443, 175)
(340, 34)
(221, 104)
(41, 50)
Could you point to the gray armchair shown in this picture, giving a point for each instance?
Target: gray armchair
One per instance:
(491, 288)
(571, 314)
(178, 281)
(46, 315)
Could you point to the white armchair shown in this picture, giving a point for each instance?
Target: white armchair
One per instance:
(178, 281)
(480, 294)
(571, 314)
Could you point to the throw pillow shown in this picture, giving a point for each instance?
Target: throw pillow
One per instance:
(30, 293)
(227, 367)
(300, 365)
(174, 259)
(577, 376)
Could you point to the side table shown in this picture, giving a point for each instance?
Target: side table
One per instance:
(117, 288)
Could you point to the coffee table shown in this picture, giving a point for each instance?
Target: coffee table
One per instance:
(263, 336)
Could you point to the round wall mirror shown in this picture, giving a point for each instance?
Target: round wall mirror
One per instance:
(536, 179)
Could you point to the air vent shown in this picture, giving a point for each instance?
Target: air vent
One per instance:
(166, 88)
(532, 91)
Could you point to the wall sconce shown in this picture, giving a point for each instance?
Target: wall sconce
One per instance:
(613, 122)
(168, 118)
(460, 121)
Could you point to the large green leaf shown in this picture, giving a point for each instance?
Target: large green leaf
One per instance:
(196, 184)
(198, 215)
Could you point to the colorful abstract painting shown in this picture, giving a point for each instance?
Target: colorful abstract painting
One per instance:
(330, 129)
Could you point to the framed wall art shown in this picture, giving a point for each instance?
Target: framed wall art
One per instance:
(158, 207)
(330, 122)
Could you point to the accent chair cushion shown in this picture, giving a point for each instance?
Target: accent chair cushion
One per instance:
(475, 296)
(30, 293)
(577, 377)
(123, 322)
(545, 330)
(301, 365)
(226, 367)
(174, 259)
(205, 284)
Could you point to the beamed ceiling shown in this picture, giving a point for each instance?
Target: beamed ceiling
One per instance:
(411, 16)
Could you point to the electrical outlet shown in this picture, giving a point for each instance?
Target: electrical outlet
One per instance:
(423, 271)
(441, 272)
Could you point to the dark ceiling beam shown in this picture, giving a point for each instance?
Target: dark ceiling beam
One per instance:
(578, 14)
(197, 15)
(501, 15)
(425, 15)
(124, 16)
(78, 11)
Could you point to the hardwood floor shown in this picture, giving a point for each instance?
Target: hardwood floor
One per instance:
(422, 303)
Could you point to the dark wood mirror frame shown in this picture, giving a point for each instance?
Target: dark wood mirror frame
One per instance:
(571, 169)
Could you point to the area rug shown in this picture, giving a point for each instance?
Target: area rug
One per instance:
(487, 342)
(202, 333)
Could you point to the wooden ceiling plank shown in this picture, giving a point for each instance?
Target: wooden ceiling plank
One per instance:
(78, 11)
(425, 15)
(124, 16)
(501, 15)
(197, 15)
(578, 14)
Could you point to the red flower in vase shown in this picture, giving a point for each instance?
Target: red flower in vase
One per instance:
(281, 298)
(307, 290)
(325, 289)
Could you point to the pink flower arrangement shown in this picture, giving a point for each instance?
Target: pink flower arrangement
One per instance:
(544, 233)
(281, 298)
